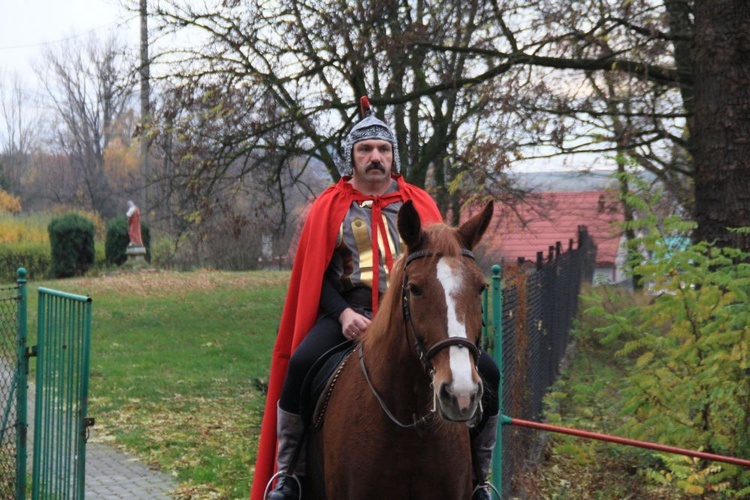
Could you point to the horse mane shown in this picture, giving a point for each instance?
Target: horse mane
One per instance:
(442, 241)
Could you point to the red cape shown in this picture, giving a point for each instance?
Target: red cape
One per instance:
(314, 252)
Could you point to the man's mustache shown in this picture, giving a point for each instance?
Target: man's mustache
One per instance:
(375, 165)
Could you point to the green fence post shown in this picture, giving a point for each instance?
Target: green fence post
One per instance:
(497, 355)
(486, 320)
(84, 421)
(38, 424)
(22, 372)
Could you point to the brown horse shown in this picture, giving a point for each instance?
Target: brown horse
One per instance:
(397, 419)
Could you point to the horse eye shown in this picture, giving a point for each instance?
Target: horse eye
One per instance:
(415, 291)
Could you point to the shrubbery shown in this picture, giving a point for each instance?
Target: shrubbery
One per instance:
(72, 244)
(117, 240)
(688, 359)
(25, 242)
(683, 357)
(35, 257)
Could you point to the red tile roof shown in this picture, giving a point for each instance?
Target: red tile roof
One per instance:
(547, 218)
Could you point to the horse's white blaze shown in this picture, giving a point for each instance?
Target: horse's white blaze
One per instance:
(460, 358)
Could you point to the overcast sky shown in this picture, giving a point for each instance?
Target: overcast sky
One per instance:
(28, 26)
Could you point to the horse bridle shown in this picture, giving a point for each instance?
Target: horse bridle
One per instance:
(424, 355)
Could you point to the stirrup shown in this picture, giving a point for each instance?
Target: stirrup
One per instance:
(279, 474)
(486, 484)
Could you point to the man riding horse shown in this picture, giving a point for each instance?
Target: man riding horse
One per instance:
(345, 254)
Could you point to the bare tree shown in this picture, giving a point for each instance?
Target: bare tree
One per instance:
(298, 70)
(594, 77)
(21, 123)
(683, 67)
(220, 204)
(144, 72)
(90, 88)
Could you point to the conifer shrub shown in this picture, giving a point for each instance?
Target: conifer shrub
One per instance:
(117, 240)
(71, 239)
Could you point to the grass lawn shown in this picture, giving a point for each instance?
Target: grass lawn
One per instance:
(178, 366)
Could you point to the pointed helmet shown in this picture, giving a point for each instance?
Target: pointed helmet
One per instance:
(369, 127)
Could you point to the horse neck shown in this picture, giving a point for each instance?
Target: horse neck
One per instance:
(394, 368)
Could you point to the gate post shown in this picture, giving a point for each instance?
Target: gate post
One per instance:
(497, 355)
(22, 372)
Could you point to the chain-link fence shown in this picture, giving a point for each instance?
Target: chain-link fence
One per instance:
(539, 303)
(9, 300)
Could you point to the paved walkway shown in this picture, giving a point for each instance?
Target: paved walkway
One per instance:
(112, 474)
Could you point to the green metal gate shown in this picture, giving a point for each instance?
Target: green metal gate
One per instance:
(62, 383)
(61, 403)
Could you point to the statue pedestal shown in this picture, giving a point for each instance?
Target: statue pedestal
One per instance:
(136, 257)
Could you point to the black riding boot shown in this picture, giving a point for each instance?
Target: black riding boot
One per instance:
(290, 461)
(482, 446)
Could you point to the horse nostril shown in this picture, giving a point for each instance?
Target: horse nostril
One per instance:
(445, 392)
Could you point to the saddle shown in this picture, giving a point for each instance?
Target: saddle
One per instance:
(319, 382)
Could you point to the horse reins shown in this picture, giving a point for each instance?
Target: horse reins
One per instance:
(425, 355)
(416, 423)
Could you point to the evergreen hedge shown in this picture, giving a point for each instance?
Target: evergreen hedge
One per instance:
(71, 239)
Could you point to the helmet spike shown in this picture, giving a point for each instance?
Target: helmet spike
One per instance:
(364, 106)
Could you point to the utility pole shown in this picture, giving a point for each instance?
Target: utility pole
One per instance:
(145, 109)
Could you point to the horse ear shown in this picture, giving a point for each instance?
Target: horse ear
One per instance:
(409, 225)
(472, 230)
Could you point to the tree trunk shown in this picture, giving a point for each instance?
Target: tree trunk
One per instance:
(722, 121)
(145, 109)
